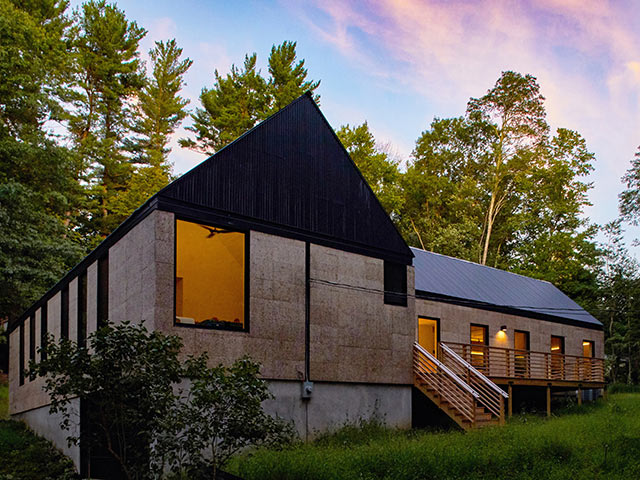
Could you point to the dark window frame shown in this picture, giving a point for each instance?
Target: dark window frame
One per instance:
(394, 277)
(82, 309)
(528, 335)
(44, 330)
(102, 297)
(247, 260)
(64, 312)
(486, 331)
(21, 353)
(593, 348)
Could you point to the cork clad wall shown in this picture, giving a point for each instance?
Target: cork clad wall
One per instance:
(276, 305)
(355, 337)
(455, 321)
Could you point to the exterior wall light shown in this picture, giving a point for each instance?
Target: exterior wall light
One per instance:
(503, 328)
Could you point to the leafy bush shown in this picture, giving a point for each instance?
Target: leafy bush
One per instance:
(128, 380)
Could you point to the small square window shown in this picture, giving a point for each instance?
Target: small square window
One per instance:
(395, 283)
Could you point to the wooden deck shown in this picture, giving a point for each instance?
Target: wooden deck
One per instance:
(525, 367)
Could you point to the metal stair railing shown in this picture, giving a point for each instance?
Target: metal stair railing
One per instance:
(445, 382)
(491, 396)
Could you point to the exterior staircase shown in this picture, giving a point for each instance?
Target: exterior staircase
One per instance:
(467, 396)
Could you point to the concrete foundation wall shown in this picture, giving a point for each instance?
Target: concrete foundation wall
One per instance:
(455, 322)
(333, 405)
(48, 426)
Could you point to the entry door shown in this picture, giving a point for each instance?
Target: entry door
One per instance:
(557, 357)
(479, 352)
(588, 351)
(521, 345)
(428, 335)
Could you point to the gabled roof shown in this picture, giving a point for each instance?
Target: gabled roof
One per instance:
(443, 278)
(289, 176)
(291, 173)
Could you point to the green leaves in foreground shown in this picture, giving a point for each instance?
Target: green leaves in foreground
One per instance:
(130, 383)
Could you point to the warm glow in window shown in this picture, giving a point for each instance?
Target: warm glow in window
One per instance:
(587, 349)
(210, 276)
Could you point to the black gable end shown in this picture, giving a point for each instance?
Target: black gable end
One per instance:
(291, 174)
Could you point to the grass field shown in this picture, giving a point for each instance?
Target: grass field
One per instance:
(593, 442)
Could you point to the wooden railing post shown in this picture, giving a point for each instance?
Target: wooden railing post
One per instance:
(502, 409)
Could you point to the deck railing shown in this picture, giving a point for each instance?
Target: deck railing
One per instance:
(500, 362)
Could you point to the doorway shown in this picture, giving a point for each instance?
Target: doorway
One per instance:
(428, 334)
(557, 357)
(521, 354)
(479, 336)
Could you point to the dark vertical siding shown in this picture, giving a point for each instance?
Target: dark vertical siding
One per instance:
(291, 170)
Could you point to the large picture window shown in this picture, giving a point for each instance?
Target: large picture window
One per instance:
(210, 276)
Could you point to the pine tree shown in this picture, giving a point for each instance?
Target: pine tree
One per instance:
(160, 110)
(241, 99)
(109, 76)
(160, 107)
(288, 79)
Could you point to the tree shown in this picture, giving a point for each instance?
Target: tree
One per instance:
(630, 198)
(555, 242)
(515, 111)
(619, 304)
(380, 171)
(288, 79)
(160, 110)
(125, 378)
(220, 415)
(233, 106)
(130, 382)
(237, 102)
(160, 107)
(34, 75)
(109, 76)
(35, 250)
(495, 188)
(444, 197)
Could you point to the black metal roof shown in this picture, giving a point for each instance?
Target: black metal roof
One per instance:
(443, 278)
(292, 173)
(289, 176)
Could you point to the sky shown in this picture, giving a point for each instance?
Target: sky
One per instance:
(400, 64)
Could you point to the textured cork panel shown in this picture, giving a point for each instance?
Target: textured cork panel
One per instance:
(276, 305)
(355, 337)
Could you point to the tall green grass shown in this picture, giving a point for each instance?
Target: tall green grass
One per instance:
(4, 399)
(592, 442)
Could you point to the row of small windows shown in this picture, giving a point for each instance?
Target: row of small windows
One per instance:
(102, 299)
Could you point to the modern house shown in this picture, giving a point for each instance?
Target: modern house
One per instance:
(276, 247)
